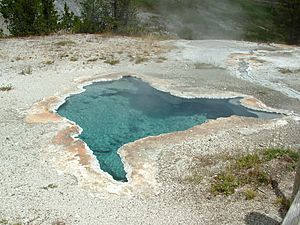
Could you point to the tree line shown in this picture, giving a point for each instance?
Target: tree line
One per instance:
(39, 17)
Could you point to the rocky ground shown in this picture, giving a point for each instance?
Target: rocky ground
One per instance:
(44, 183)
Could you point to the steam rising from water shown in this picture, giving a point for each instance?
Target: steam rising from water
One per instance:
(203, 19)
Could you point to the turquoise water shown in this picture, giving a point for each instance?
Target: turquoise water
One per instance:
(114, 113)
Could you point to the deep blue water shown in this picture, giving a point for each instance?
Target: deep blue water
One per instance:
(114, 113)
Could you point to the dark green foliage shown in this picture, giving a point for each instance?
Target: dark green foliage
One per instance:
(29, 17)
(258, 21)
(102, 15)
(68, 21)
(96, 16)
(123, 12)
(48, 16)
(21, 15)
(287, 19)
(267, 21)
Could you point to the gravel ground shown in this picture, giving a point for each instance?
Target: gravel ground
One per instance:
(43, 183)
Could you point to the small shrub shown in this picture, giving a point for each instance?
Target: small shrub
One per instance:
(199, 66)
(162, 58)
(140, 59)
(248, 161)
(58, 222)
(112, 61)
(245, 170)
(250, 194)
(284, 203)
(224, 183)
(92, 60)
(6, 87)
(3, 221)
(285, 70)
(1, 33)
(48, 62)
(254, 176)
(73, 59)
(50, 186)
(27, 70)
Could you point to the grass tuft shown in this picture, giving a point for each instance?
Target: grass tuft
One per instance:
(65, 43)
(48, 62)
(6, 87)
(27, 70)
(275, 153)
(195, 178)
(50, 186)
(250, 194)
(284, 203)
(140, 59)
(112, 61)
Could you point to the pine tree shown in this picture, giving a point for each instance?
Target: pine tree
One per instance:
(20, 15)
(68, 19)
(123, 11)
(96, 16)
(29, 17)
(50, 17)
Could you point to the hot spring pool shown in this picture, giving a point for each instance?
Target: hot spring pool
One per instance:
(114, 113)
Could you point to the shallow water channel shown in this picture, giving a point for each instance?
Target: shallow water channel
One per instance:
(113, 113)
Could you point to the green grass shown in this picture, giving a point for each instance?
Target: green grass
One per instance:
(249, 170)
(225, 183)
(248, 161)
(275, 153)
(233, 177)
